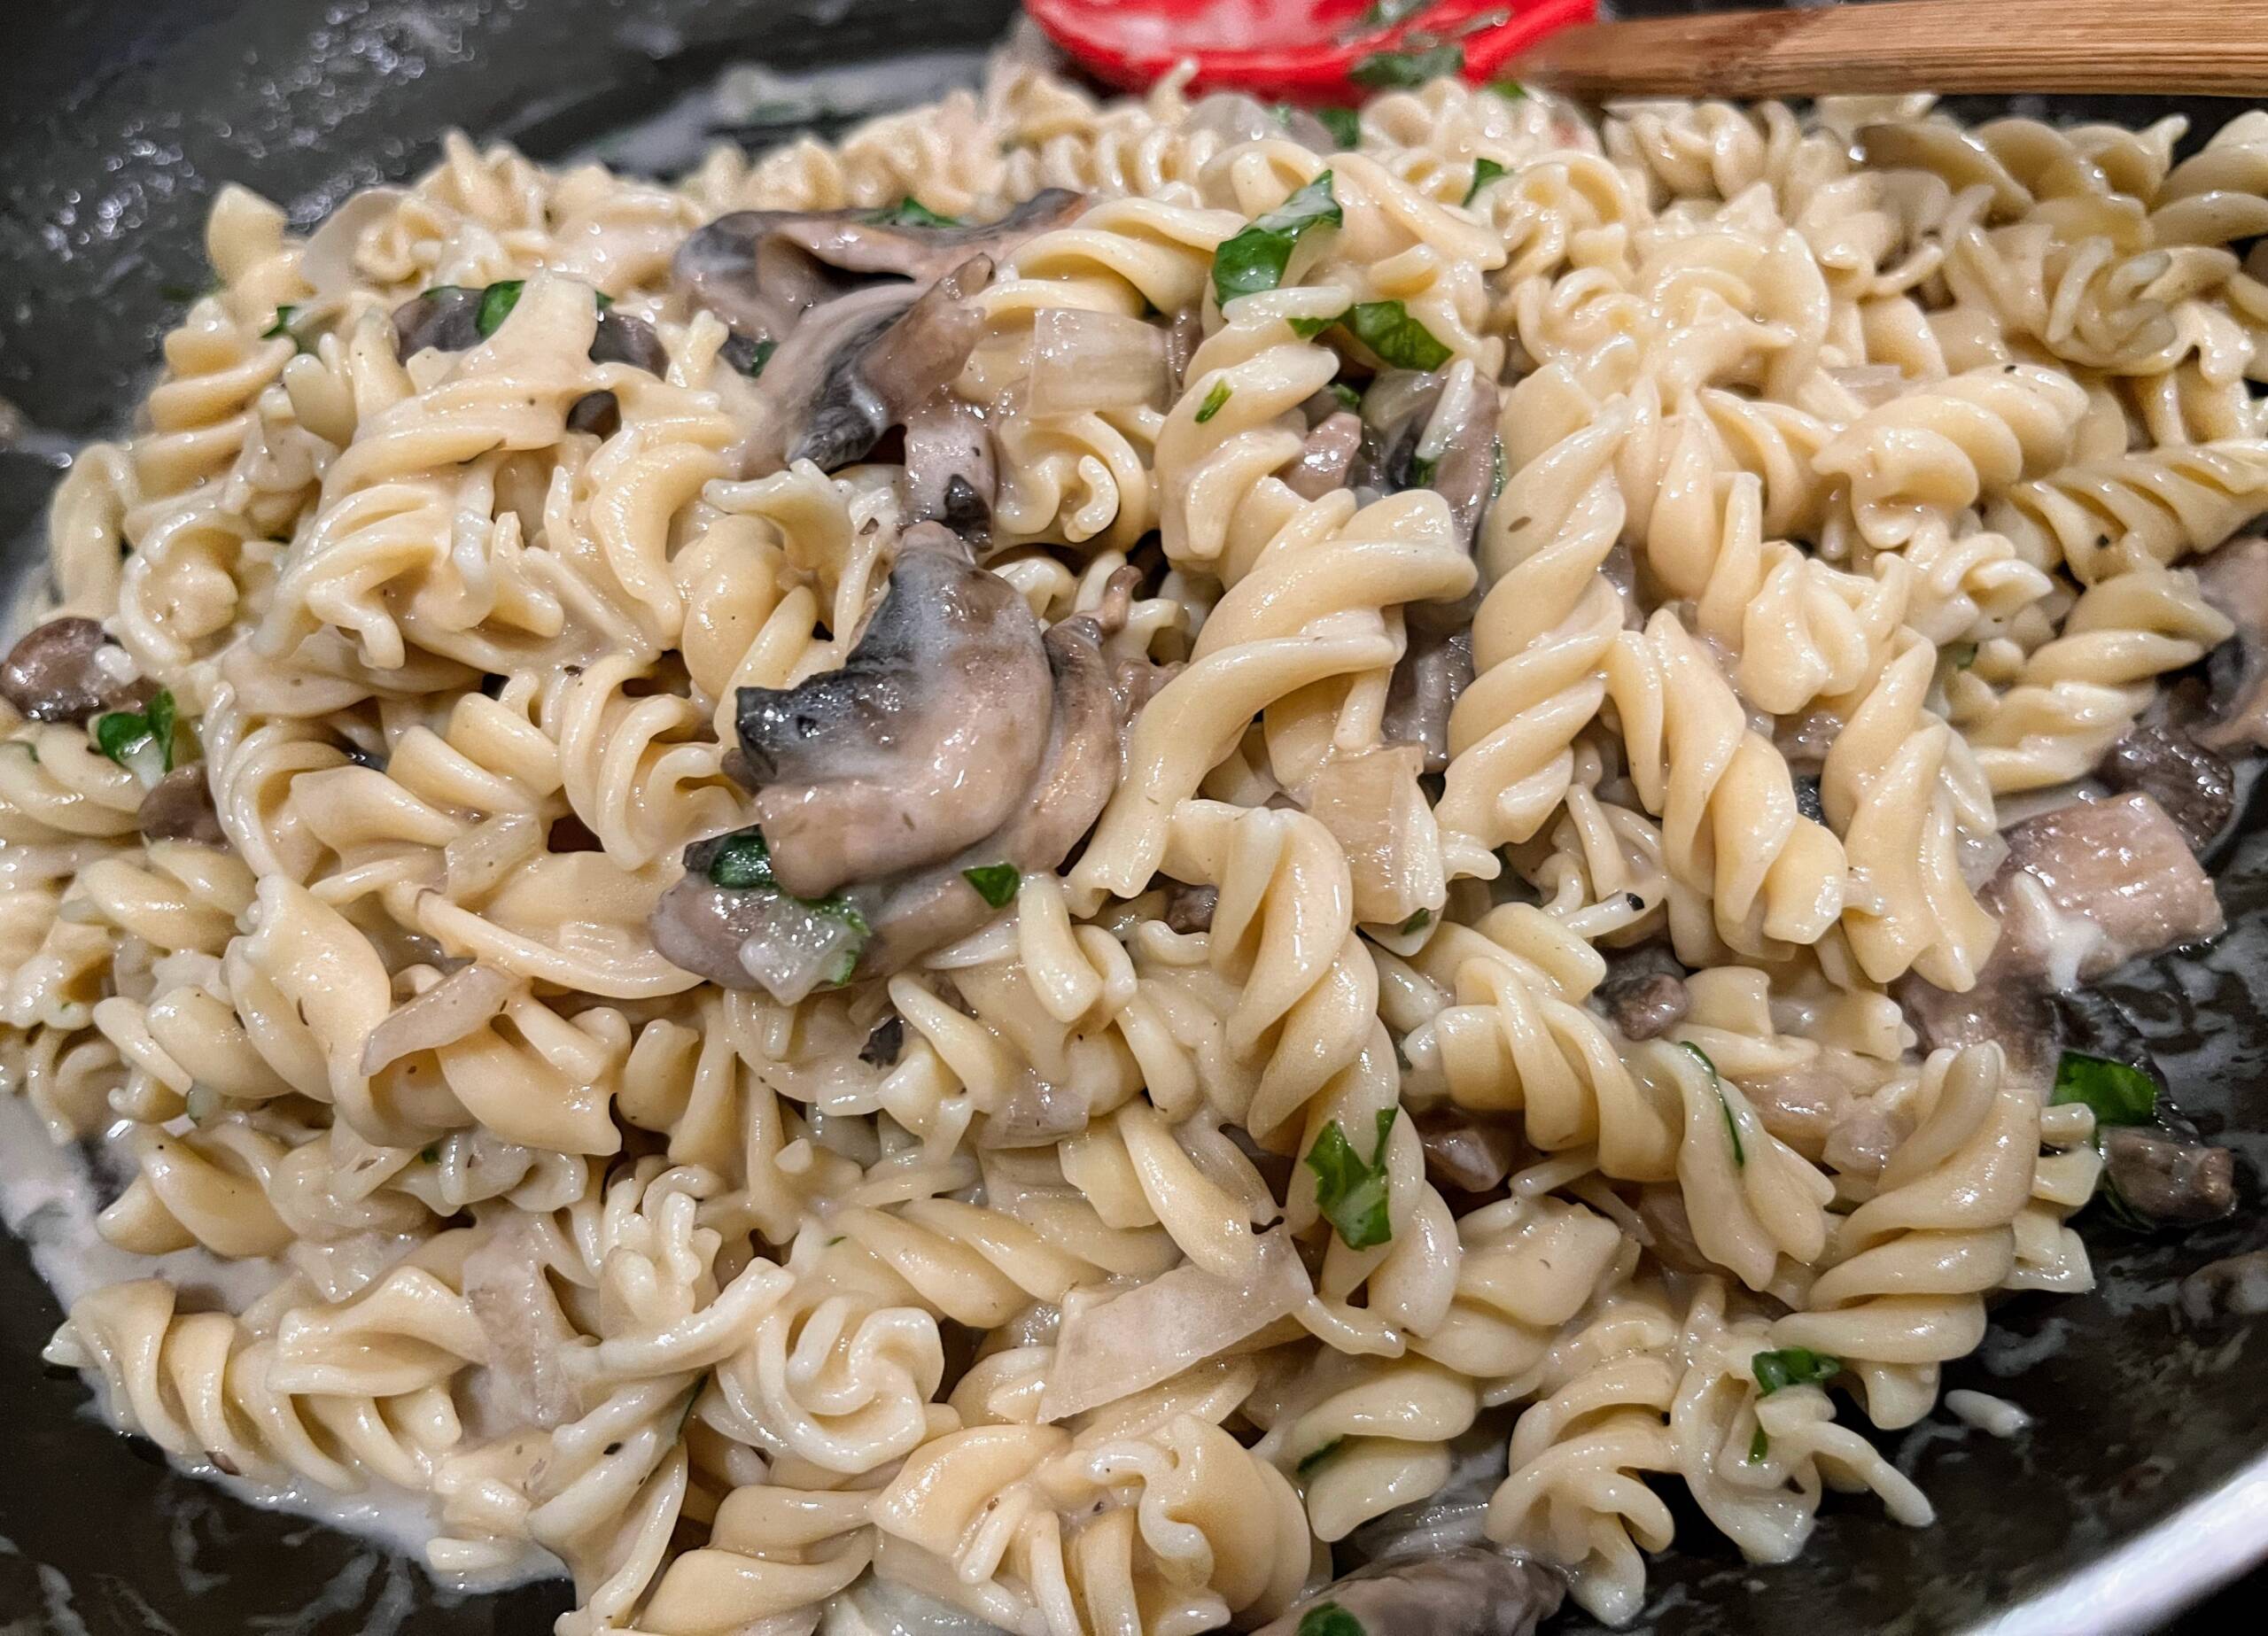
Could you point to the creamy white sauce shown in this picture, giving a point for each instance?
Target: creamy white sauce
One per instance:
(48, 1199)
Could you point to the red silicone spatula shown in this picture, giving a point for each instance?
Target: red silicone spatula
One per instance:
(1301, 51)
(1339, 50)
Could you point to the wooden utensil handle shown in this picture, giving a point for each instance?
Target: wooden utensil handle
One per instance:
(2188, 47)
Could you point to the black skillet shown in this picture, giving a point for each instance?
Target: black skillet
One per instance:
(120, 119)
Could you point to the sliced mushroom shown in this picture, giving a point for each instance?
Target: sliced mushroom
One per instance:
(1432, 673)
(950, 477)
(2167, 1182)
(1644, 1004)
(1059, 805)
(445, 319)
(623, 338)
(1473, 1590)
(1435, 430)
(66, 669)
(856, 367)
(2092, 884)
(926, 739)
(179, 807)
(1327, 457)
(2195, 786)
(759, 270)
(1471, 1152)
(739, 936)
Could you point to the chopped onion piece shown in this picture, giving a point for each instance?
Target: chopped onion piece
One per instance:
(445, 1013)
(1083, 360)
(799, 948)
(1123, 1345)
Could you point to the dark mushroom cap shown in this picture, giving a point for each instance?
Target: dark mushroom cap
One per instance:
(760, 270)
(60, 671)
(924, 741)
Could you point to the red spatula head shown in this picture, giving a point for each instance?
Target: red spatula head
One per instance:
(1301, 50)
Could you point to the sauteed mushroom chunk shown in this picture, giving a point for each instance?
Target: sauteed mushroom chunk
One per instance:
(924, 741)
(179, 807)
(907, 796)
(859, 366)
(66, 669)
(1472, 1591)
(760, 270)
(2167, 1181)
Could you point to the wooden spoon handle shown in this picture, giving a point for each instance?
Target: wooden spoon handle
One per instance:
(2184, 47)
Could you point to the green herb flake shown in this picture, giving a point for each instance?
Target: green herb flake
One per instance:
(430, 1155)
(1792, 1366)
(1496, 470)
(1318, 1457)
(1330, 1619)
(1484, 171)
(911, 212)
(2119, 1095)
(1254, 259)
(1214, 400)
(1387, 330)
(1724, 1102)
(994, 883)
(1417, 923)
(496, 304)
(285, 316)
(128, 737)
(1962, 654)
(834, 1241)
(1759, 1447)
(1344, 126)
(1407, 70)
(1307, 329)
(1510, 90)
(1421, 473)
(603, 299)
(758, 355)
(1352, 1194)
(1348, 398)
(743, 862)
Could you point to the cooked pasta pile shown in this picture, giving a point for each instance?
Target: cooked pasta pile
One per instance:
(1182, 853)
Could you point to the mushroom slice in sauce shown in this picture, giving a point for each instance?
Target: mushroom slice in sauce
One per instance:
(1060, 805)
(2166, 1180)
(926, 741)
(1435, 430)
(1432, 675)
(2094, 884)
(1327, 457)
(951, 475)
(179, 807)
(856, 368)
(1473, 1590)
(444, 320)
(66, 669)
(759, 270)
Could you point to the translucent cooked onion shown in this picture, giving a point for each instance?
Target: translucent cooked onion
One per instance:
(1178, 1319)
(1083, 360)
(446, 1012)
(798, 949)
